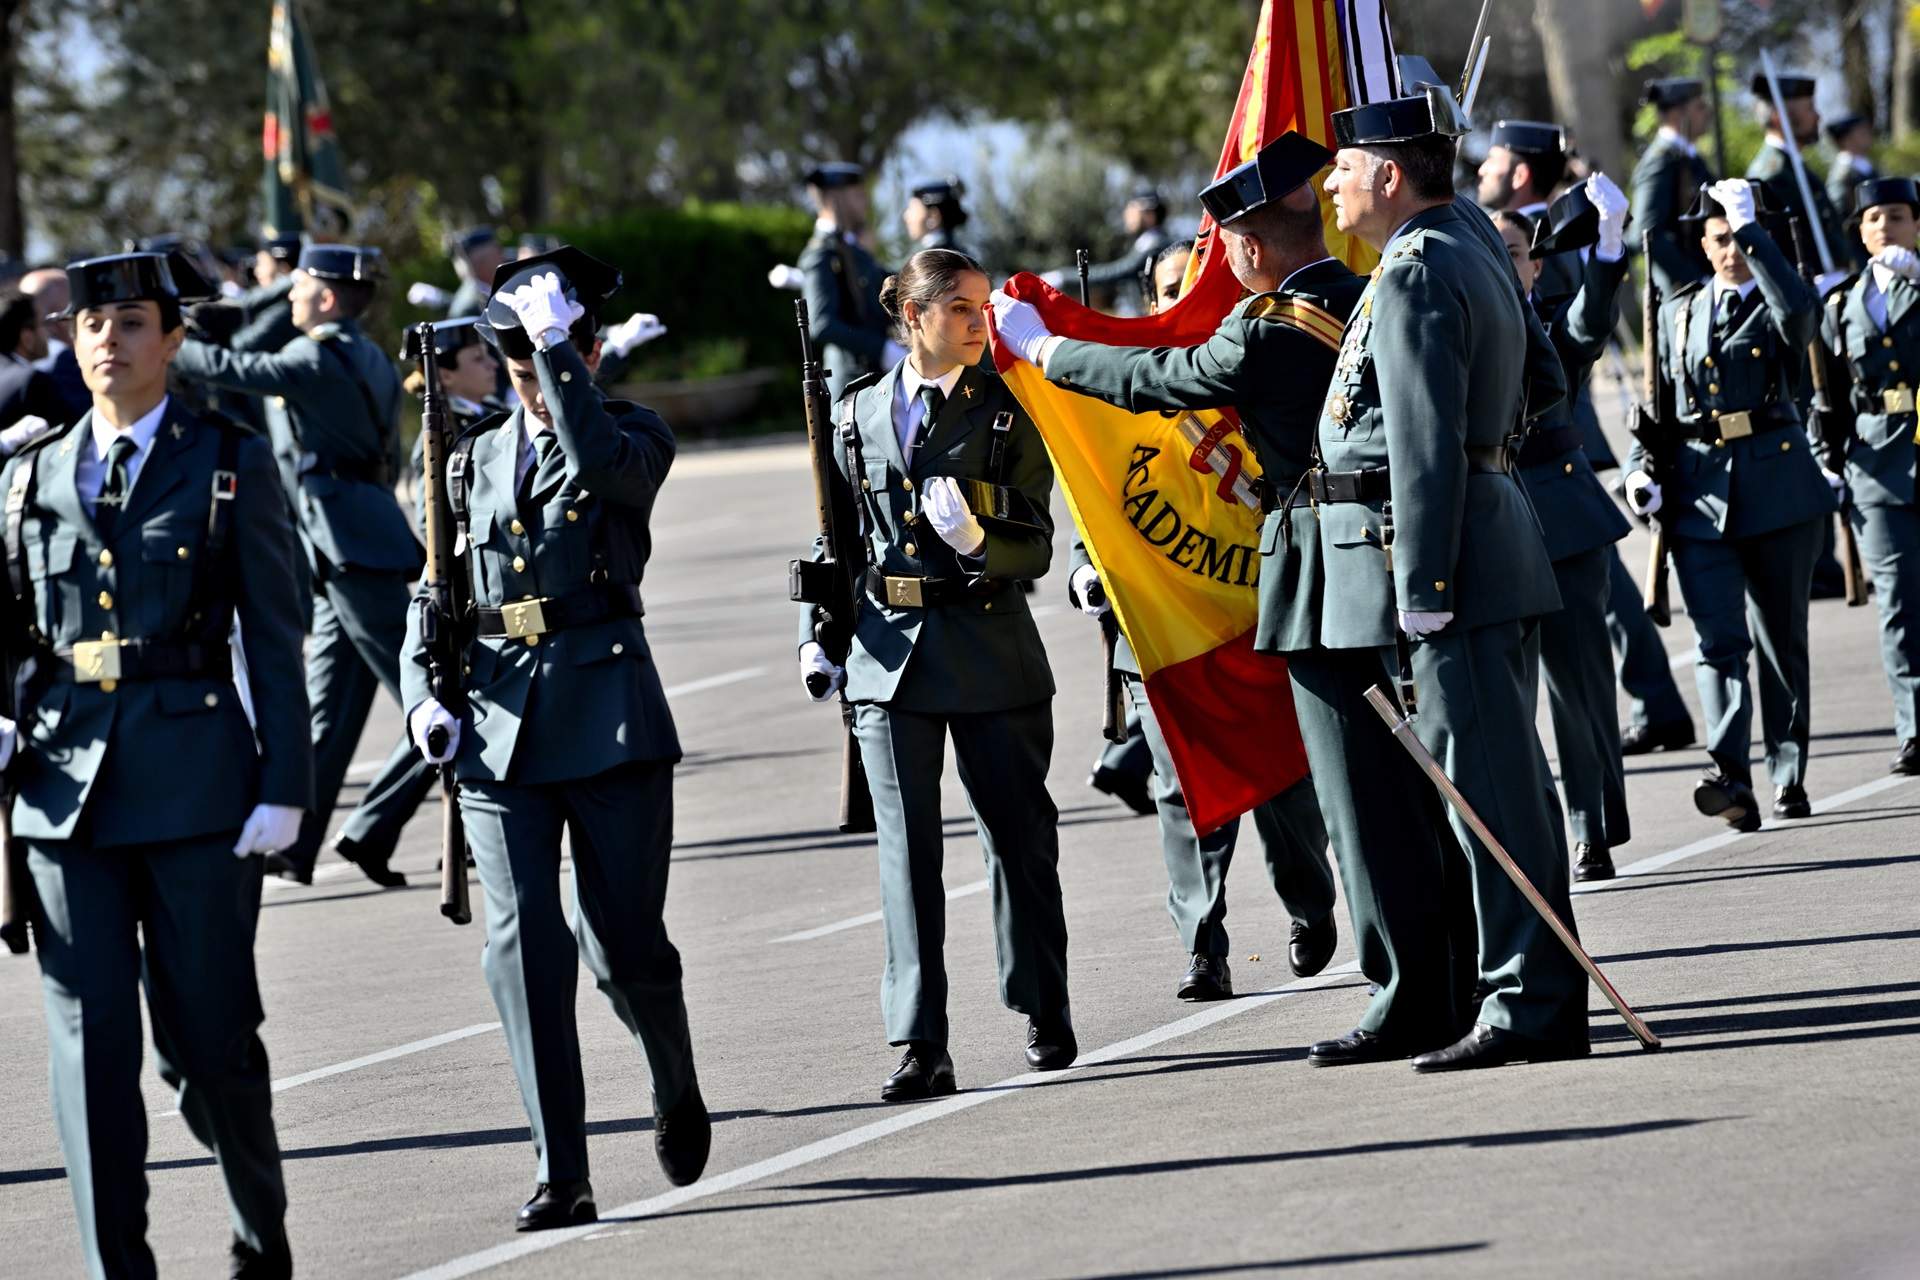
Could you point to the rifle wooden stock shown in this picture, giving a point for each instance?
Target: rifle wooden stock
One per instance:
(856, 799)
(1824, 413)
(1649, 429)
(1850, 566)
(17, 897)
(1113, 689)
(1655, 598)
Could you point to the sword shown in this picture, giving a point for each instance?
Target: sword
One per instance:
(1794, 162)
(1478, 50)
(1402, 731)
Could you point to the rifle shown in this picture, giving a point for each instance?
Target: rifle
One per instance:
(1650, 429)
(1113, 691)
(834, 583)
(19, 904)
(444, 591)
(1831, 425)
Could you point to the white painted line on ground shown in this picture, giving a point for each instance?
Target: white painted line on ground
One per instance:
(873, 917)
(385, 1055)
(332, 871)
(714, 682)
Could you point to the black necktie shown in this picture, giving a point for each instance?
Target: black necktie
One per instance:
(543, 446)
(113, 490)
(931, 401)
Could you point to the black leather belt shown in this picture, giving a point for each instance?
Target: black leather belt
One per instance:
(1494, 459)
(904, 592)
(526, 619)
(1734, 426)
(104, 661)
(1348, 486)
(342, 469)
(1543, 446)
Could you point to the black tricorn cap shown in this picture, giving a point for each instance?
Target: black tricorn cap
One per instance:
(1887, 191)
(449, 336)
(343, 262)
(1791, 86)
(835, 173)
(1673, 92)
(134, 277)
(1281, 167)
(1705, 207)
(1569, 223)
(583, 278)
(1843, 124)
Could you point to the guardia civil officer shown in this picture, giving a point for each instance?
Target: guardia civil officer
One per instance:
(945, 647)
(477, 254)
(1144, 219)
(333, 415)
(934, 214)
(1526, 161)
(1429, 389)
(841, 281)
(142, 793)
(1852, 136)
(1270, 359)
(469, 371)
(567, 730)
(1741, 498)
(266, 308)
(1772, 169)
(1579, 518)
(1669, 175)
(1872, 332)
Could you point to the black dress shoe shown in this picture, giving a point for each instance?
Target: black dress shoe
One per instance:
(1791, 802)
(682, 1137)
(1133, 791)
(1592, 862)
(1050, 1043)
(1907, 760)
(925, 1071)
(1310, 946)
(558, 1204)
(373, 868)
(1491, 1046)
(1208, 978)
(1354, 1047)
(249, 1263)
(1671, 735)
(278, 864)
(1734, 802)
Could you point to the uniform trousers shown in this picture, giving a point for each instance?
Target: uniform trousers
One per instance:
(180, 919)
(1570, 647)
(1889, 539)
(1644, 669)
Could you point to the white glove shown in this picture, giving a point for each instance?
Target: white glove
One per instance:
(946, 510)
(1089, 591)
(892, 354)
(431, 296)
(1423, 624)
(636, 330)
(1902, 262)
(814, 662)
(427, 717)
(269, 829)
(785, 277)
(1643, 495)
(1020, 326)
(1612, 204)
(1735, 195)
(9, 741)
(22, 433)
(543, 309)
(1836, 482)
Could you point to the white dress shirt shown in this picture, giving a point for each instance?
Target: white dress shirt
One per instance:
(1679, 143)
(90, 472)
(907, 409)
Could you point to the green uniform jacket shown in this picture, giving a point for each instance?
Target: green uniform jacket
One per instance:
(269, 318)
(588, 698)
(1546, 382)
(841, 284)
(1869, 364)
(983, 653)
(1433, 363)
(1574, 510)
(1846, 175)
(1757, 483)
(156, 760)
(334, 409)
(1262, 361)
(1123, 272)
(1665, 184)
(1773, 170)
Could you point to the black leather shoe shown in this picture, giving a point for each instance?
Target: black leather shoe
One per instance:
(1491, 1046)
(373, 868)
(925, 1071)
(1639, 739)
(1050, 1044)
(1592, 862)
(1208, 978)
(1134, 792)
(558, 1204)
(1791, 802)
(248, 1263)
(1354, 1047)
(278, 864)
(1720, 797)
(1908, 759)
(1310, 946)
(682, 1137)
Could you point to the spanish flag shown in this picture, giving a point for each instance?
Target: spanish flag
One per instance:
(1165, 502)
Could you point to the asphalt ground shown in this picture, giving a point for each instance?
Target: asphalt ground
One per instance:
(1775, 1135)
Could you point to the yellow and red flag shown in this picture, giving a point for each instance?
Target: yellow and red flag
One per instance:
(1163, 501)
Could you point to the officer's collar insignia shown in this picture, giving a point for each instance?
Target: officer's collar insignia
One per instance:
(967, 392)
(179, 432)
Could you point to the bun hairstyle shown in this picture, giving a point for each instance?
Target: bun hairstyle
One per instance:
(929, 276)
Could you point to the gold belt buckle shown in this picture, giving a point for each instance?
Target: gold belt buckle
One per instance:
(905, 593)
(1734, 426)
(523, 618)
(1898, 400)
(96, 661)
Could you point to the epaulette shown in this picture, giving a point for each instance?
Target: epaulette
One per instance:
(1686, 290)
(41, 442)
(1298, 313)
(1838, 293)
(860, 383)
(485, 424)
(324, 332)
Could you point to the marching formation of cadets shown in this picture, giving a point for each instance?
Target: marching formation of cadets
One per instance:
(207, 561)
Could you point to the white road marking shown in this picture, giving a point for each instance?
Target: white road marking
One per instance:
(385, 1055)
(873, 917)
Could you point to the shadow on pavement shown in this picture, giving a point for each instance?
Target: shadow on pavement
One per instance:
(1772, 997)
(830, 839)
(1673, 879)
(1766, 944)
(1289, 1264)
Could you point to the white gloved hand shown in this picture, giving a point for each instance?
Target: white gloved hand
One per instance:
(427, 717)
(946, 510)
(9, 741)
(1612, 204)
(1418, 624)
(786, 277)
(1735, 196)
(544, 309)
(22, 433)
(1900, 261)
(1835, 481)
(636, 330)
(269, 829)
(1020, 325)
(1087, 588)
(816, 667)
(892, 354)
(1643, 495)
(431, 296)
